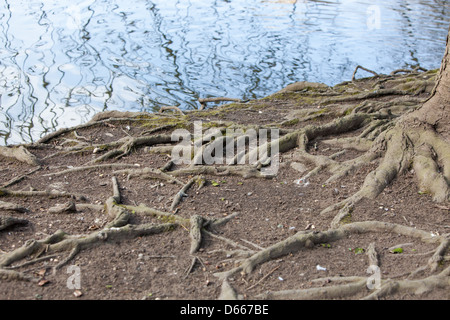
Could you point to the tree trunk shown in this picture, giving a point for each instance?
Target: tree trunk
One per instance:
(435, 111)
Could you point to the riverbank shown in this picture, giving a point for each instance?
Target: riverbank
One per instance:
(105, 199)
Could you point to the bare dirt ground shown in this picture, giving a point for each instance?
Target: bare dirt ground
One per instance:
(232, 234)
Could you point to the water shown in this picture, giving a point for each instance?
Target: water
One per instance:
(63, 61)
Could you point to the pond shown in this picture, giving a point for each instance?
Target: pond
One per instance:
(63, 61)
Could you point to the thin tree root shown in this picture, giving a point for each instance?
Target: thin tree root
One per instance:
(344, 214)
(148, 173)
(362, 68)
(51, 194)
(182, 193)
(91, 167)
(67, 207)
(219, 99)
(19, 178)
(128, 143)
(262, 279)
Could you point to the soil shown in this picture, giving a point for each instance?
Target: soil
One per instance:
(263, 211)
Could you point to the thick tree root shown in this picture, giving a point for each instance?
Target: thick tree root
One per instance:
(305, 240)
(128, 143)
(338, 291)
(11, 275)
(347, 117)
(196, 233)
(6, 222)
(19, 153)
(7, 206)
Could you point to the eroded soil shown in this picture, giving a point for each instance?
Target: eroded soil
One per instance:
(263, 211)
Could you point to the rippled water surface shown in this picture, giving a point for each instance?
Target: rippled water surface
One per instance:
(63, 61)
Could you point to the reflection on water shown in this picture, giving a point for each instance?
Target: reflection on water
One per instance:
(63, 61)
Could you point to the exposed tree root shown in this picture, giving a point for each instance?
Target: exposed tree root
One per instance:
(19, 178)
(165, 108)
(337, 291)
(6, 222)
(19, 153)
(205, 100)
(149, 173)
(305, 240)
(45, 193)
(417, 287)
(344, 118)
(128, 143)
(91, 167)
(362, 68)
(227, 292)
(182, 193)
(12, 275)
(195, 233)
(116, 230)
(7, 206)
(67, 207)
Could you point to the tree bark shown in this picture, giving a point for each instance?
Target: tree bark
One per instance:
(435, 111)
